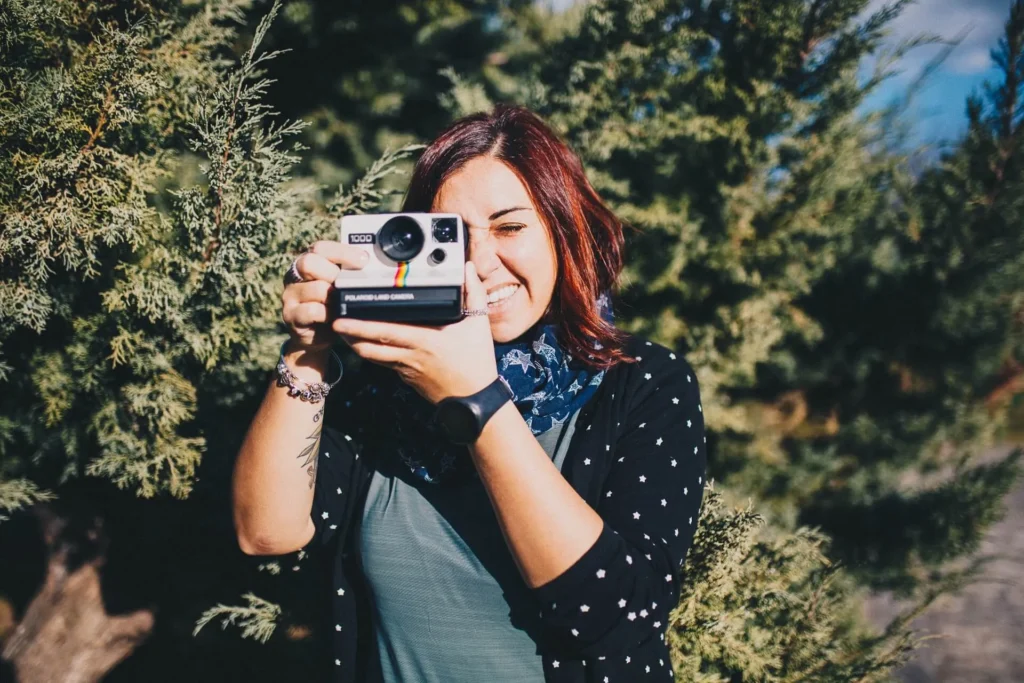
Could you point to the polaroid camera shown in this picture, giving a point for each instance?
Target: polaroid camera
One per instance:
(415, 273)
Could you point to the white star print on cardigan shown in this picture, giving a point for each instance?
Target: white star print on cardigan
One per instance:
(604, 618)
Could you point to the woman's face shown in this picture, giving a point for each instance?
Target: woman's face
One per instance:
(509, 244)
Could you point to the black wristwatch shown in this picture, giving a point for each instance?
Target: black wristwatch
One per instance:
(462, 418)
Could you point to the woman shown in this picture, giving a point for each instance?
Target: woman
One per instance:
(549, 548)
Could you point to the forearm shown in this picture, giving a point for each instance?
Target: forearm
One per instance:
(546, 524)
(275, 470)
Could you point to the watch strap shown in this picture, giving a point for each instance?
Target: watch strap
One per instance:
(483, 405)
(492, 397)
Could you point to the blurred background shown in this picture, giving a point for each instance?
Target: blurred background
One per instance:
(825, 208)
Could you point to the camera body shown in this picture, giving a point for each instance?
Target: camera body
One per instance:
(415, 273)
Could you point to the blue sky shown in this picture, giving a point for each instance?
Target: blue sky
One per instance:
(937, 112)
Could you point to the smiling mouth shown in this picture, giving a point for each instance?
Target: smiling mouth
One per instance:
(501, 295)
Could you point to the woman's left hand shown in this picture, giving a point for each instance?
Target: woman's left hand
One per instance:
(438, 362)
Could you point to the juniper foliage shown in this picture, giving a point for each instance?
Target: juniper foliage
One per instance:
(93, 102)
(920, 356)
(766, 605)
(367, 80)
(257, 620)
(151, 197)
(120, 312)
(767, 207)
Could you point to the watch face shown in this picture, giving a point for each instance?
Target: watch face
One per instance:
(458, 421)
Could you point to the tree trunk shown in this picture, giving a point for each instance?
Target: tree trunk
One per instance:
(66, 635)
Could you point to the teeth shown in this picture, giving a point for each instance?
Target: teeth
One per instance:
(501, 294)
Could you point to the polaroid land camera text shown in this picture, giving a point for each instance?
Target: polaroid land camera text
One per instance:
(415, 272)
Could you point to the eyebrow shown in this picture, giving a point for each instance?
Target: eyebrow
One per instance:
(498, 214)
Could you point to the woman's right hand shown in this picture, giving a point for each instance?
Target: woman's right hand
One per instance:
(304, 304)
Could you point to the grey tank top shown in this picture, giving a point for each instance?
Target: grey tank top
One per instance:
(449, 604)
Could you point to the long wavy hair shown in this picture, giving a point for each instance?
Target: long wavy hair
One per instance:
(587, 235)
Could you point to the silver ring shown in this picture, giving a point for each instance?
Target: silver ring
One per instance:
(292, 275)
(468, 312)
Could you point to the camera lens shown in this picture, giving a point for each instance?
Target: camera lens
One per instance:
(446, 230)
(401, 238)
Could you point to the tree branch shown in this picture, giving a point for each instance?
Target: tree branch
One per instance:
(101, 122)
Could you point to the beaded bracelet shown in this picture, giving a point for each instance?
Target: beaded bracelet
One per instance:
(312, 392)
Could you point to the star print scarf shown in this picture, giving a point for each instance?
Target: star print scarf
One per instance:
(547, 386)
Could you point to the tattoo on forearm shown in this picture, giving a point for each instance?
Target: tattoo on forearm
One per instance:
(309, 454)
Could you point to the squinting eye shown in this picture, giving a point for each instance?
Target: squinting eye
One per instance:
(510, 228)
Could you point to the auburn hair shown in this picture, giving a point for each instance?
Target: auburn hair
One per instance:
(588, 237)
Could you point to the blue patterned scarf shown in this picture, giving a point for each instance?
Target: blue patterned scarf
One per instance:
(547, 385)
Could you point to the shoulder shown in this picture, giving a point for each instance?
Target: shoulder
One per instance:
(655, 365)
(651, 354)
(659, 374)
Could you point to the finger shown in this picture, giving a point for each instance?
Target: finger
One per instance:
(379, 353)
(315, 267)
(476, 296)
(306, 314)
(325, 260)
(396, 334)
(344, 255)
(301, 292)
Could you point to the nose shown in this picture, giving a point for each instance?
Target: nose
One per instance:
(483, 252)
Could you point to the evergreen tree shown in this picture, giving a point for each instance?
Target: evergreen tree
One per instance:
(922, 350)
(728, 134)
(151, 197)
(95, 101)
(374, 76)
(147, 215)
(762, 604)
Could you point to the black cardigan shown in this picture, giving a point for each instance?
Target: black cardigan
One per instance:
(637, 457)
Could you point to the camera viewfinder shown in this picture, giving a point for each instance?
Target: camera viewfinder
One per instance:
(446, 230)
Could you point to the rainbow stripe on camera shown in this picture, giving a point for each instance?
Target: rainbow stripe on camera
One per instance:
(401, 274)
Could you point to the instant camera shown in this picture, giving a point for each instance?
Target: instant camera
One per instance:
(415, 272)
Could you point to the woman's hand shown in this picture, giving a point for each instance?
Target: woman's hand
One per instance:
(438, 362)
(304, 304)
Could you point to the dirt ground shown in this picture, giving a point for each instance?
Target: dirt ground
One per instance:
(983, 626)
